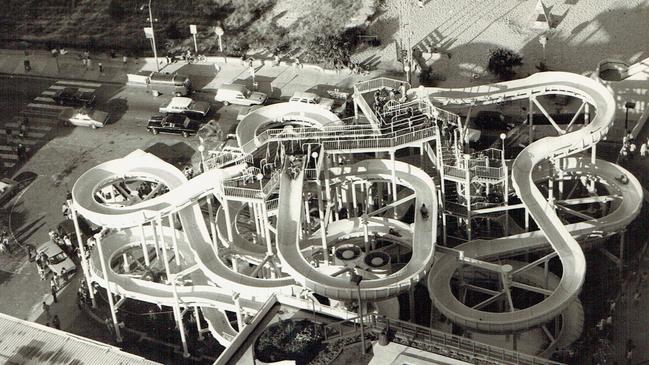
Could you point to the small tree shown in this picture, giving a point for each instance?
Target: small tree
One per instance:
(502, 62)
(115, 9)
(428, 77)
(173, 32)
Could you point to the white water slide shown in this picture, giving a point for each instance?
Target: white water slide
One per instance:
(423, 238)
(184, 194)
(543, 212)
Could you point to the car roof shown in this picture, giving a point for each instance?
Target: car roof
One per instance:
(6, 184)
(49, 248)
(180, 101)
(235, 87)
(174, 118)
(305, 95)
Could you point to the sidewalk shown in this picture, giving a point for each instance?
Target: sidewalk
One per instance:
(279, 81)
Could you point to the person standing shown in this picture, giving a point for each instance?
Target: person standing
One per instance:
(20, 151)
(46, 310)
(53, 288)
(56, 322)
(643, 150)
(101, 67)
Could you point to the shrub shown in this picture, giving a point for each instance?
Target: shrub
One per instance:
(115, 9)
(428, 77)
(289, 340)
(502, 62)
(173, 32)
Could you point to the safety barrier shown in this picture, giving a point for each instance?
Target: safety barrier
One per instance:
(382, 142)
(432, 340)
(379, 83)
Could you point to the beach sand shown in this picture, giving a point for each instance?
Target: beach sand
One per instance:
(584, 33)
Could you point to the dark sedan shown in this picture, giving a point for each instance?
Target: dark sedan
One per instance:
(173, 124)
(74, 97)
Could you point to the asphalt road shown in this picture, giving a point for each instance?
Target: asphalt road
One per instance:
(58, 155)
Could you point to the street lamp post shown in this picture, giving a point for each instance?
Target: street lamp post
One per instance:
(155, 52)
(356, 279)
(543, 39)
(201, 149)
(628, 105)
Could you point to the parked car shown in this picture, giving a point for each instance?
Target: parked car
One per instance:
(74, 97)
(187, 106)
(239, 94)
(7, 189)
(311, 98)
(57, 260)
(84, 117)
(173, 124)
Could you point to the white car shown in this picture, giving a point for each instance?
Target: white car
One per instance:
(311, 98)
(56, 260)
(187, 106)
(84, 117)
(239, 95)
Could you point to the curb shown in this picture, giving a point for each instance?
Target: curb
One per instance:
(47, 77)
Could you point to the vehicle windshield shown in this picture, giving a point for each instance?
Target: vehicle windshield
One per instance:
(58, 258)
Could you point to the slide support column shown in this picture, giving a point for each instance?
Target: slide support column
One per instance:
(111, 302)
(145, 250)
(82, 251)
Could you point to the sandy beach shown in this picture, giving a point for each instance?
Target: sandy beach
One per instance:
(584, 32)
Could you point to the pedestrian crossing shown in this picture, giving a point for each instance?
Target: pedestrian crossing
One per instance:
(42, 115)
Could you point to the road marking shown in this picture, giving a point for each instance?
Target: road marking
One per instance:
(26, 141)
(10, 149)
(40, 119)
(79, 83)
(39, 98)
(30, 127)
(59, 87)
(48, 93)
(29, 135)
(7, 156)
(46, 106)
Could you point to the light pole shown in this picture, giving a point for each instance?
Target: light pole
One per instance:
(356, 279)
(502, 138)
(201, 149)
(628, 105)
(543, 39)
(155, 52)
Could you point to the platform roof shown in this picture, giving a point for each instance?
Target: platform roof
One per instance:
(23, 342)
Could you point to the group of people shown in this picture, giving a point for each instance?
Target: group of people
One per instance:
(294, 166)
(5, 246)
(383, 96)
(20, 149)
(629, 148)
(53, 321)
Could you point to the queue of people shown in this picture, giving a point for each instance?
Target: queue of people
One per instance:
(630, 147)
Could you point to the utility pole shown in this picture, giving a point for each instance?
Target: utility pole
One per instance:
(151, 34)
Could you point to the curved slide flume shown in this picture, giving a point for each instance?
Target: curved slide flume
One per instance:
(567, 248)
(181, 198)
(627, 209)
(424, 234)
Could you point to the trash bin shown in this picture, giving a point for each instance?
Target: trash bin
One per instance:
(28, 66)
(383, 338)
